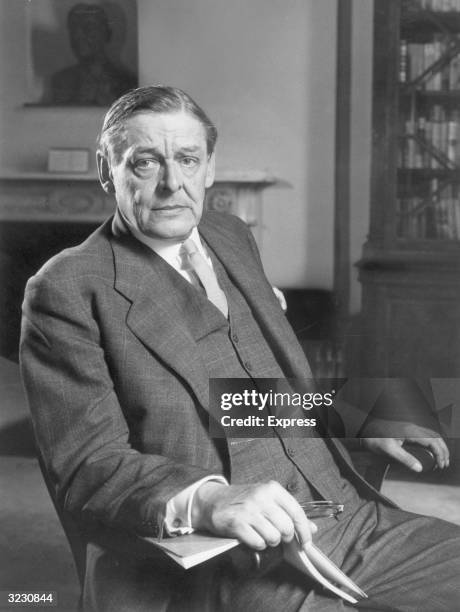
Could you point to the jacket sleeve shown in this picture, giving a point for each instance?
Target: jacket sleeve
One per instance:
(80, 429)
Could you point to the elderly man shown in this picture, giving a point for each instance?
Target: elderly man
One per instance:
(120, 338)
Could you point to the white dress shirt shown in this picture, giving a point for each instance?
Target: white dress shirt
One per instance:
(178, 516)
(171, 252)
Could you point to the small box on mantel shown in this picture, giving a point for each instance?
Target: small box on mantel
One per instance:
(68, 160)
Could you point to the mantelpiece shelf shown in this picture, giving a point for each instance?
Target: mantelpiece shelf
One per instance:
(78, 198)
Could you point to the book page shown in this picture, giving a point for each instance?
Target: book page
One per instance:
(190, 550)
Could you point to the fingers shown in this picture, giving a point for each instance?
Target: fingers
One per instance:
(440, 450)
(281, 523)
(393, 447)
(303, 527)
(249, 536)
(438, 447)
(276, 516)
(258, 515)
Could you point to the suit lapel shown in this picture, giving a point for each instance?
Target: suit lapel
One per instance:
(154, 316)
(245, 272)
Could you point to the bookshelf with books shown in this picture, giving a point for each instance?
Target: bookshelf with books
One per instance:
(410, 269)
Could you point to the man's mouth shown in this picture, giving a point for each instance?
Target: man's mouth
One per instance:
(170, 208)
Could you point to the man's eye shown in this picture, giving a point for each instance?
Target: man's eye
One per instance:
(189, 162)
(145, 164)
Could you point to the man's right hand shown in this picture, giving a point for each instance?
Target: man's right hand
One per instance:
(259, 515)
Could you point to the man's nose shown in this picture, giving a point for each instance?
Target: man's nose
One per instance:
(171, 179)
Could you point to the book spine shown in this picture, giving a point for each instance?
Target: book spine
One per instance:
(456, 213)
(452, 141)
(442, 6)
(403, 61)
(409, 158)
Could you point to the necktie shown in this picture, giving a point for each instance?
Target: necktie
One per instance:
(206, 276)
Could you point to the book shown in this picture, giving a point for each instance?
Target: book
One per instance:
(195, 548)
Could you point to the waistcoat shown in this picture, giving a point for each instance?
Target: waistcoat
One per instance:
(236, 348)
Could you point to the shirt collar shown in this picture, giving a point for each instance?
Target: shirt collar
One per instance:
(168, 251)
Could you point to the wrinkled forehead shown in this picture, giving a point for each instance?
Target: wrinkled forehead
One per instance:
(159, 131)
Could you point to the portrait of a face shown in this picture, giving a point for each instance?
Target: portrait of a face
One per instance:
(97, 58)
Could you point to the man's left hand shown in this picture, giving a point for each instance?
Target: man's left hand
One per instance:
(393, 448)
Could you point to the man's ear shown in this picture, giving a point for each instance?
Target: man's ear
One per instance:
(211, 170)
(104, 172)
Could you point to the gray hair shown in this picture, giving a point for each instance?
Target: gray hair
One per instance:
(157, 99)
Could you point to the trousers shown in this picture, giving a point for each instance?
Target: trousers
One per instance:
(403, 561)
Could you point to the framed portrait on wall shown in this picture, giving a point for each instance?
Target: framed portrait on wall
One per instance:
(81, 53)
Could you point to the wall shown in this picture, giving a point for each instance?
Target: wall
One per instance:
(265, 71)
(360, 135)
(26, 133)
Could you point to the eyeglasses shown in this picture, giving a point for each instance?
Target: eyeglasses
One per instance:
(322, 509)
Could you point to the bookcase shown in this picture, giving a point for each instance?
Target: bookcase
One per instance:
(410, 268)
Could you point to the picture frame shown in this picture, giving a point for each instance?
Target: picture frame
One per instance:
(80, 53)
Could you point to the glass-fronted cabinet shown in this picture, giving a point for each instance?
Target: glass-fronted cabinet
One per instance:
(410, 269)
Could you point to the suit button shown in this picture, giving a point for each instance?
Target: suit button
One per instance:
(235, 339)
(291, 452)
(291, 487)
(248, 365)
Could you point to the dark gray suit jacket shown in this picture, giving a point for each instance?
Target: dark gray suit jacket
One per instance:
(117, 391)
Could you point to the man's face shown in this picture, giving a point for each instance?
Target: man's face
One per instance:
(160, 170)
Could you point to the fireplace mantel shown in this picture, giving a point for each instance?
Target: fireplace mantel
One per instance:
(44, 197)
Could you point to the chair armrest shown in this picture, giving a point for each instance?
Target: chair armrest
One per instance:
(373, 467)
(423, 454)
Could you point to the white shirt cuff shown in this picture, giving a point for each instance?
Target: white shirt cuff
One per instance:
(178, 519)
